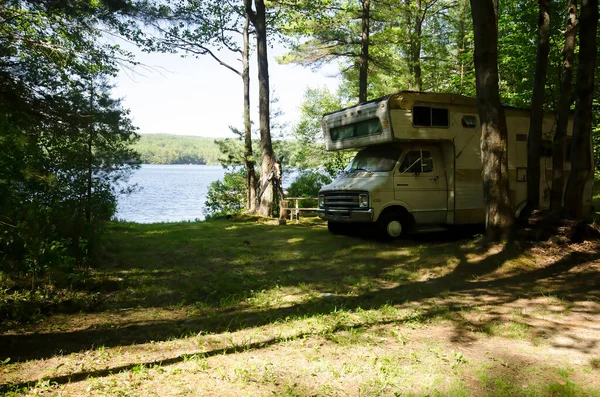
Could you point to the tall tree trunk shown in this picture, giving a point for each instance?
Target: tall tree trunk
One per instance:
(534, 140)
(462, 43)
(566, 86)
(408, 16)
(249, 164)
(363, 59)
(494, 158)
(581, 149)
(416, 45)
(90, 159)
(258, 19)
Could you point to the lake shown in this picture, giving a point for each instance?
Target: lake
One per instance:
(168, 193)
(171, 193)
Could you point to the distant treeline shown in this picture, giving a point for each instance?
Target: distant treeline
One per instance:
(182, 149)
(177, 149)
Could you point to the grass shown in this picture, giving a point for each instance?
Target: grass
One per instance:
(245, 307)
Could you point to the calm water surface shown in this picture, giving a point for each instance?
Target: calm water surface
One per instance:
(168, 193)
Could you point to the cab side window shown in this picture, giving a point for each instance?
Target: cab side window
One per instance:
(417, 161)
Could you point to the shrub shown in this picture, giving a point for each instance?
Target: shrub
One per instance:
(308, 184)
(226, 196)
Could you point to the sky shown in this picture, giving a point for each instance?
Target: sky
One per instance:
(196, 96)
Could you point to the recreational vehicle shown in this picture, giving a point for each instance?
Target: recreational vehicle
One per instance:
(418, 165)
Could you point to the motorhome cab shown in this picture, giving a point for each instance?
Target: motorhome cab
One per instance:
(419, 163)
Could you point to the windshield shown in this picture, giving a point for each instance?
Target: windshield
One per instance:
(374, 159)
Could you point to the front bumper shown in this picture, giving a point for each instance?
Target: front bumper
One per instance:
(346, 215)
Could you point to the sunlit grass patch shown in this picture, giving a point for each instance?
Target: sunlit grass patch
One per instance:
(507, 329)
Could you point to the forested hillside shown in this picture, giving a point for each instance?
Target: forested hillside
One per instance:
(177, 149)
(185, 149)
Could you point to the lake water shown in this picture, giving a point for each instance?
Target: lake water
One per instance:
(171, 193)
(168, 193)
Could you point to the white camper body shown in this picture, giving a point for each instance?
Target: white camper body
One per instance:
(420, 163)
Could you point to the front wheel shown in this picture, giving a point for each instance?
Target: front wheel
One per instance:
(393, 225)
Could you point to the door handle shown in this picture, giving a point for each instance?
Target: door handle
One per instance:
(435, 179)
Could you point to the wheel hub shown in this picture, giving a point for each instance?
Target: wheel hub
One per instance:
(394, 228)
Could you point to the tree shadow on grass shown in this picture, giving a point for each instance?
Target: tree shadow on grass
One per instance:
(214, 267)
(462, 281)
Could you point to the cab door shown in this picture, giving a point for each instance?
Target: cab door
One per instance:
(420, 181)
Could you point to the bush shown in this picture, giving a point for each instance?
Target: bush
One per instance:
(226, 196)
(308, 184)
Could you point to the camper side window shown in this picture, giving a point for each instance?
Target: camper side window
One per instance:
(415, 163)
(425, 116)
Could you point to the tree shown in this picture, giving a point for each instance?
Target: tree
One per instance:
(63, 150)
(423, 26)
(340, 30)
(581, 150)
(407, 45)
(564, 105)
(202, 28)
(258, 19)
(226, 196)
(248, 163)
(494, 158)
(415, 16)
(461, 25)
(534, 140)
(309, 133)
(363, 58)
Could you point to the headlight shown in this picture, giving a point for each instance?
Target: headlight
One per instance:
(363, 200)
(321, 201)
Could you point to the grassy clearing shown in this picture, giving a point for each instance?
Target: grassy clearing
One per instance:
(250, 308)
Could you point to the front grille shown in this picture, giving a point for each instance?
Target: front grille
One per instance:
(341, 200)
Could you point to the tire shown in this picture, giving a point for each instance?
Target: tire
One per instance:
(335, 227)
(393, 225)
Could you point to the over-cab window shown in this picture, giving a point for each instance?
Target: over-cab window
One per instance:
(362, 128)
(425, 116)
(417, 161)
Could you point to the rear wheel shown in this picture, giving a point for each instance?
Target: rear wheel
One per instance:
(393, 225)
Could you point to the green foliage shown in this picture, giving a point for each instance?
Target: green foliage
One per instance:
(178, 149)
(311, 152)
(228, 152)
(226, 196)
(439, 31)
(65, 141)
(23, 305)
(308, 184)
